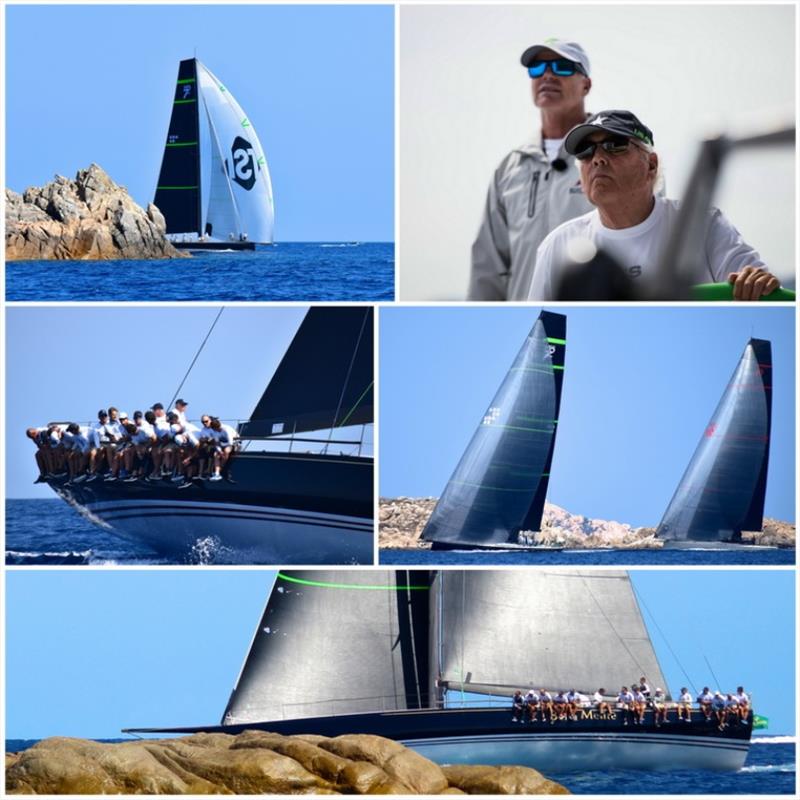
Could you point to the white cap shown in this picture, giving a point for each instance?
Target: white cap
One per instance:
(571, 50)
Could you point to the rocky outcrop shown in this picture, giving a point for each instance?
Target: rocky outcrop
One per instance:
(90, 218)
(254, 762)
(402, 520)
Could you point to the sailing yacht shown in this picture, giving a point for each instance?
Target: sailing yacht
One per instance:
(722, 491)
(214, 187)
(499, 486)
(394, 653)
(309, 499)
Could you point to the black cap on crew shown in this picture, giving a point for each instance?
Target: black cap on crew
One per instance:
(102, 413)
(623, 123)
(181, 402)
(157, 406)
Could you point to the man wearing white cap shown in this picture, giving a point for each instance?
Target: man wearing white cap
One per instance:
(536, 187)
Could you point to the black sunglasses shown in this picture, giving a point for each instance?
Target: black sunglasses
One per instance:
(613, 146)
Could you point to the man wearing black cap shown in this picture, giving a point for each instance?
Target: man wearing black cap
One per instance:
(536, 186)
(619, 170)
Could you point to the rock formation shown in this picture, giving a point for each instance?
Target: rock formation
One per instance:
(254, 762)
(402, 520)
(90, 218)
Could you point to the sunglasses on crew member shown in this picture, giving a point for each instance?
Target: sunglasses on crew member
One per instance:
(558, 66)
(613, 146)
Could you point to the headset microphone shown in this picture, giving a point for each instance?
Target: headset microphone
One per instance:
(559, 165)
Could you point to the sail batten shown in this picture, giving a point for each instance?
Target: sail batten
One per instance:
(487, 501)
(325, 379)
(723, 489)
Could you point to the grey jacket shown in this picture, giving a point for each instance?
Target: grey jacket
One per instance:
(526, 200)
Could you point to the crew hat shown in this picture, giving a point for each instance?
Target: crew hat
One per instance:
(181, 402)
(623, 123)
(122, 415)
(157, 406)
(571, 50)
(102, 413)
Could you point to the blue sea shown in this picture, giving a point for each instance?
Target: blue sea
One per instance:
(302, 271)
(769, 769)
(662, 557)
(51, 532)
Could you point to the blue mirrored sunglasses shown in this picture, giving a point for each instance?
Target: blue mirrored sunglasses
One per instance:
(558, 66)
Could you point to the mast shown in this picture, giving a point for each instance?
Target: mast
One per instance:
(499, 486)
(178, 195)
(722, 491)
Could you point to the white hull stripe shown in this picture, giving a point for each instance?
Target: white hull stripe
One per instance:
(114, 512)
(682, 741)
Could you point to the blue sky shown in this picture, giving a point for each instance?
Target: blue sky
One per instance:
(640, 386)
(93, 651)
(317, 82)
(67, 363)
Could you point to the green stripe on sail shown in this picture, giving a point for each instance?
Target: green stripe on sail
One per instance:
(181, 102)
(515, 428)
(355, 406)
(535, 369)
(186, 80)
(181, 144)
(759, 722)
(327, 585)
(176, 187)
(485, 486)
(553, 340)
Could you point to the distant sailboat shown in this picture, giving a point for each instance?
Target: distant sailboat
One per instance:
(499, 486)
(305, 504)
(722, 491)
(393, 652)
(214, 187)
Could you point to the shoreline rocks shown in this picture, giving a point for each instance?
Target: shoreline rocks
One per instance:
(402, 520)
(89, 218)
(254, 762)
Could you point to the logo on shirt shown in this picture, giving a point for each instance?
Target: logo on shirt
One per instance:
(244, 163)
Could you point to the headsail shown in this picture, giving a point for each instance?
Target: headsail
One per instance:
(552, 629)
(325, 380)
(214, 179)
(722, 491)
(336, 642)
(500, 483)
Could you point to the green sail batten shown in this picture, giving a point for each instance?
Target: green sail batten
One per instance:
(326, 585)
(182, 102)
(490, 488)
(181, 144)
(518, 428)
(535, 369)
(176, 187)
(553, 340)
(186, 80)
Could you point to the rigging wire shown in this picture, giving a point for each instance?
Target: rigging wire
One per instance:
(640, 599)
(711, 670)
(196, 356)
(610, 623)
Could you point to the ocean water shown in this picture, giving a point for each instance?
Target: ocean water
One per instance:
(769, 769)
(601, 557)
(51, 532)
(302, 271)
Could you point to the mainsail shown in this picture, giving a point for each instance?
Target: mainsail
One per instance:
(348, 641)
(500, 483)
(722, 491)
(214, 180)
(325, 380)
(549, 629)
(336, 641)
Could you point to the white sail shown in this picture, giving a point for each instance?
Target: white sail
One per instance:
(239, 203)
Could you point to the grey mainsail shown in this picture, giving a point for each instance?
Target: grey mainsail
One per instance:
(336, 641)
(500, 483)
(552, 629)
(722, 491)
(347, 641)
